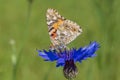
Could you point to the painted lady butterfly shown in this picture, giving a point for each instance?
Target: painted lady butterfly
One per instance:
(62, 31)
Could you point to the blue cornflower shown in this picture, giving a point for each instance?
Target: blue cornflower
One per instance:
(68, 57)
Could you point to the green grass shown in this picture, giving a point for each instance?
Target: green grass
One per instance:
(98, 19)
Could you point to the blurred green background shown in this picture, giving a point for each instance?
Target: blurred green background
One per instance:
(23, 28)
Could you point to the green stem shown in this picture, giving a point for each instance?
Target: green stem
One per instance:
(15, 66)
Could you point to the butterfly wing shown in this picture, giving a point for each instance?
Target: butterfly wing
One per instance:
(68, 31)
(53, 17)
(54, 20)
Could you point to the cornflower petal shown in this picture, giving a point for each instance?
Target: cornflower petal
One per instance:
(60, 62)
(86, 52)
(43, 55)
(48, 55)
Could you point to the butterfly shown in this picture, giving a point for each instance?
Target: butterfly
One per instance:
(62, 31)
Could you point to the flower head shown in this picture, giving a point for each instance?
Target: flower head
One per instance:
(68, 58)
